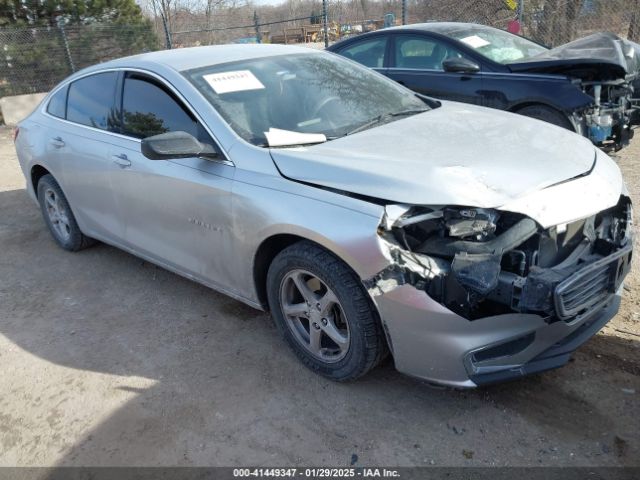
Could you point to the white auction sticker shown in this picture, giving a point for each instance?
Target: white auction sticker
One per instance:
(475, 41)
(237, 81)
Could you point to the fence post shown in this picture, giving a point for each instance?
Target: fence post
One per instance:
(65, 43)
(404, 12)
(257, 26)
(167, 33)
(520, 12)
(324, 23)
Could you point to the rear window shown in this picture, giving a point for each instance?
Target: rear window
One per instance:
(91, 101)
(58, 103)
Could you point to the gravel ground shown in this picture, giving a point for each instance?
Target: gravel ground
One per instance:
(108, 360)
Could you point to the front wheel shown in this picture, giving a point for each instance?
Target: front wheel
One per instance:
(322, 310)
(547, 114)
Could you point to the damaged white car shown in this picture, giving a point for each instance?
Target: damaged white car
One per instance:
(473, 245)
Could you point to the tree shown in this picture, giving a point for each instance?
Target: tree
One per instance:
(634, 24)
(46, 12)
(45, 40)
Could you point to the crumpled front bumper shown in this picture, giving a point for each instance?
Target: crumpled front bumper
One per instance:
(432, 343)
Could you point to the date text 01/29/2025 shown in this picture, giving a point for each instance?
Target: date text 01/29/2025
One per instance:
(316, 472)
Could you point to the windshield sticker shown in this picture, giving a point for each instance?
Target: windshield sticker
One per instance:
(238, 81)
(474, 41)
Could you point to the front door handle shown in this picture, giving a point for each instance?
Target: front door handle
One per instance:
(57, 142)
(121, 160)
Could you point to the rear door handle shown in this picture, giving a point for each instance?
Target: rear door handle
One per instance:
(121, 160)
(57, 142)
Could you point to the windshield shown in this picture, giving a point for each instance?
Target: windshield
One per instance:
(497, 45)
(301, 98)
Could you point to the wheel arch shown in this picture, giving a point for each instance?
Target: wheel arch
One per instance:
(266, 252)
(538, 103)
(272, 245)
(36, 173)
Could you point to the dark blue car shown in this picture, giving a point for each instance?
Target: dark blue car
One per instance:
(586, 86)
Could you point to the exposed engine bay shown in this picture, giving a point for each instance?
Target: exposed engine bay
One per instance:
(607, 69)
(609, 122)
(481, 262)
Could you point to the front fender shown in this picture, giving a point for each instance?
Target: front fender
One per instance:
(510, 91)
(345, 226)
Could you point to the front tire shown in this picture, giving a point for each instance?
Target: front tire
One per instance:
(547, 114)
(58, 216)
(321, 308)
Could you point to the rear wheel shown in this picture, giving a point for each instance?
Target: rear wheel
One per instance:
(546, 114)
(324, 313)
(59, 217)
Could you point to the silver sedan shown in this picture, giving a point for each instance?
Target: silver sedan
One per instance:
(472, 245)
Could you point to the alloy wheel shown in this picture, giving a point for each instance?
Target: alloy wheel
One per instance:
(314, 316)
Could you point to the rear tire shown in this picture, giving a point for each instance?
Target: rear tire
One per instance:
(58, 216)
(546, 114)
(332, 327)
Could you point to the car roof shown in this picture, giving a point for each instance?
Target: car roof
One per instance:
(443, 27)
(182, 59)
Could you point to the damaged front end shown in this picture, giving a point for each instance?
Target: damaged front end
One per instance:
(483, 262)
(607, 69)
(475, 296)
(609, 122)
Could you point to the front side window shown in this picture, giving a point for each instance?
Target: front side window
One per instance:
(413, 51)
(314, 93)
(148, 109)
(369, 53)
(91, 101)
(58, 103)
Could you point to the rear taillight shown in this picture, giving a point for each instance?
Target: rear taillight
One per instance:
(16, 131)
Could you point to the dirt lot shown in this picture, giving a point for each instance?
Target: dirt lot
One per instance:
(108, 360)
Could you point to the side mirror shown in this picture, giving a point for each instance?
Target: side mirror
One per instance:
(172, 145)
(460, 65)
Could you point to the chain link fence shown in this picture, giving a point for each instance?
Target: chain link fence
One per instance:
(35, 59)
(550, 22)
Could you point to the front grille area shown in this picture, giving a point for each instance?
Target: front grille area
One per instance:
(592, 285)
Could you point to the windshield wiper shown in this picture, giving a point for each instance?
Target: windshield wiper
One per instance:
(383, 117)
(409, 112)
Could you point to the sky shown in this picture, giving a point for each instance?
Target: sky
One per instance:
(267, 2)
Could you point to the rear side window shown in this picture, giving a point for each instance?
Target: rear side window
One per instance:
(148, 109)
(369, 53)
(58, 103)
(91, 101)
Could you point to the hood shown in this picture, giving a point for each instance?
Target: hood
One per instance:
(457, 154)
(601, 56)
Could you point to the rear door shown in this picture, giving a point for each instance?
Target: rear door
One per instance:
(178, 212)
(79, 143)
(416, 62)
(371, 52)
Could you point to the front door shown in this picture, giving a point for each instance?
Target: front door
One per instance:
(177, 212)
(416, 62)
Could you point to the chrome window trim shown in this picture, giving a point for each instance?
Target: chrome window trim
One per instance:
(163, 81)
